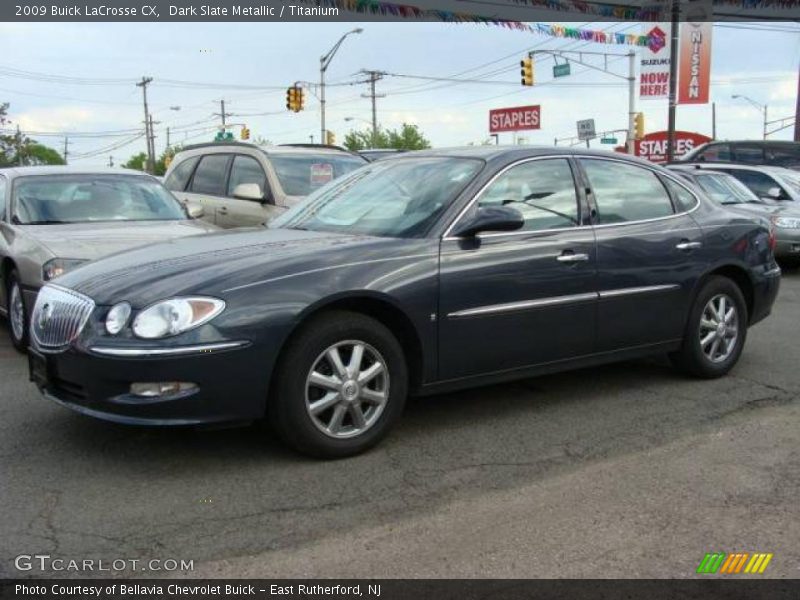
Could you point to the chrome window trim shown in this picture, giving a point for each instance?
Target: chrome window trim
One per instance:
(447, 237)
(522, 305)
(474, 199)
(493, 309)
(176, 351)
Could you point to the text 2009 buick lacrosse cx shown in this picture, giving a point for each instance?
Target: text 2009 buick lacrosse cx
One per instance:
(427, 272)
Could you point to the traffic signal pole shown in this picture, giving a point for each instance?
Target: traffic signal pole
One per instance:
(673, 80)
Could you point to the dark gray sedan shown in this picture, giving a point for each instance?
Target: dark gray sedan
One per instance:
(432, 271)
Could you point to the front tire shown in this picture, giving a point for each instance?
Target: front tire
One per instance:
(340, 386)
(17, 313)
(715, 332)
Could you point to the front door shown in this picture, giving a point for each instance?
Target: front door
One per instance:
(526, 297)
(647, 253)
(208, 185)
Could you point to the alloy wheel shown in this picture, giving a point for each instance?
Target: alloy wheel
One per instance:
(719, 328)
(16, 311)
(347, 389)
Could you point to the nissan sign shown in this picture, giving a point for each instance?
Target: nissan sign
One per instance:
(514, 119)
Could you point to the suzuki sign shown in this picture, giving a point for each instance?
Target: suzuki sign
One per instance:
(653, 146)
(514, 119)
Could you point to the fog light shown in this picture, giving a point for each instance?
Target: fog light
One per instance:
(161, 388)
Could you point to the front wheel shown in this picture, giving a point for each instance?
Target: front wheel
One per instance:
(17, 313)
(716, 330)
(340, 386)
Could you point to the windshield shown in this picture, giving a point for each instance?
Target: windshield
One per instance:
(726, 189)
(51, 199)
(301, 174)
(392, 198)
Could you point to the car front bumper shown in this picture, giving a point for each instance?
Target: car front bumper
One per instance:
(788, 243)
(230, 385)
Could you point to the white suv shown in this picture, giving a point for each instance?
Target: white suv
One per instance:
(242, 185)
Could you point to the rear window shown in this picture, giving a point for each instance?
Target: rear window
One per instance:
(301, 174)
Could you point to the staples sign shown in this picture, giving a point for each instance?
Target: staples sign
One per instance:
(653, 146)
(514, 119)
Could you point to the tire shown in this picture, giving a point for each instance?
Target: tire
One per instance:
(17, 329)
(332, 429)
(698, 359)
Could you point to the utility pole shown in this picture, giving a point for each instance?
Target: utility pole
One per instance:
(151, 161)
(374, 77)
(66, 148)
(152, 144)
(713, 120)
(797, 112)
(18, 141)
(673, 80)
(631, 142)
(167, 138)
(765, 121)
(110, 161)
(222, 114)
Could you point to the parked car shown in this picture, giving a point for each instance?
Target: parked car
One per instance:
(732, 193)
(771, 184)
(245, 185)
(428, 272)
(751, 152)
(55, 218)
(374, 154)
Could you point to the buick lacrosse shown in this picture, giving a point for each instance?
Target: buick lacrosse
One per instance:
(427, 272)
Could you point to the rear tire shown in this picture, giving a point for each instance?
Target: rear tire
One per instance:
(715, 332)
(339, 387)
(17, 313)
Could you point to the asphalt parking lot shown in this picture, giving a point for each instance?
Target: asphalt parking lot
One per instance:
(630, 470)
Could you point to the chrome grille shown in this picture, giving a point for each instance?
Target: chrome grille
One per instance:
(59, 316)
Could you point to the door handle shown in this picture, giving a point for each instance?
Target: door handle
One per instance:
(687, 245)
(571, 257)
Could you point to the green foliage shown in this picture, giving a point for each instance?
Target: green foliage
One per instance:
(17, 149)
(409, 137)
(33, 153)
(138, 161)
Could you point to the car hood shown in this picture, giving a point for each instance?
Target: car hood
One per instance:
(90, 241)
(220, 263)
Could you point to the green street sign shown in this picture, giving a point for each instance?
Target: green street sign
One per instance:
(608, 140)
(561, 70)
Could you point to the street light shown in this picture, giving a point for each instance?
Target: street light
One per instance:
(324, 61)
(761, 107)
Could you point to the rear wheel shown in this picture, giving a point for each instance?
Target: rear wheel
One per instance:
(340, 386)
(17, 313)
(716, 330)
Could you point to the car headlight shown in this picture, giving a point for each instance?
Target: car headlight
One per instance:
(118, 317)
(786, 222)
(174, 316)
(58, 266)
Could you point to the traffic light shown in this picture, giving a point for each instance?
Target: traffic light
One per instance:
(330, 138)
(527, 70)
(638, 126)
(245, 133)
(295, 98)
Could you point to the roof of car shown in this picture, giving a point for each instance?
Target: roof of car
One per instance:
(725, 165)
(282, 149)
(755, 142)
(514, 152)
(68, 170)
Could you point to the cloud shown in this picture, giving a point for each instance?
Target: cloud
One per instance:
(57, 118)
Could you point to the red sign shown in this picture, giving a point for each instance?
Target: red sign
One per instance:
(514, 119)
(653, 146)
(694, 68)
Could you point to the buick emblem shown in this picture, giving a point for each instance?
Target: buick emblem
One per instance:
(44, 315)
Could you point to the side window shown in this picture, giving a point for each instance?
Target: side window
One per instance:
(684, 199)
(246, 169)
(2, 196)
(759, 183)
(784, 156)
(753, 155)
(180, 175)
(542, 190)
(625, 192)
(715, 153)
(209, 178)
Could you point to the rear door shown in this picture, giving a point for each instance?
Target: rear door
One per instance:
(648, 247)
(526, 297)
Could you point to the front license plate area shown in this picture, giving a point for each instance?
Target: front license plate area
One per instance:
(37, 368)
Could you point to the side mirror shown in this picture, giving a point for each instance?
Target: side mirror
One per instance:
(248, 191)
(491, 218)
(194, 211)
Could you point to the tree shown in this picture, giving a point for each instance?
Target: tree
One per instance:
(19, 149)
(138, 161)
(409, 137)
(33, 153)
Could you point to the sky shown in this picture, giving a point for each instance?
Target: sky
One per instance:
(249, 65)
